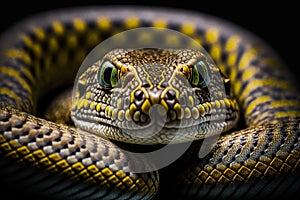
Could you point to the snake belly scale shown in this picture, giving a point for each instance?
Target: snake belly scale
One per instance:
(44, 52)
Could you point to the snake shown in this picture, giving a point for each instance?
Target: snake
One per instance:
(257, 154)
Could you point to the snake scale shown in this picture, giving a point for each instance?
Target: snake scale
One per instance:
(258, 158)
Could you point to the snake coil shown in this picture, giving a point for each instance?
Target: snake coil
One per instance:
(38, 156)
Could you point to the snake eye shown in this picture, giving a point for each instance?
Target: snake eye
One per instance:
(108, 75)
(200, 74)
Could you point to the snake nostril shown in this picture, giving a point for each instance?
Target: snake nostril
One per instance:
(171, 94)
(146, 85)
(139, 95)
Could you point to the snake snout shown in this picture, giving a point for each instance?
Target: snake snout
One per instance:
(154, 106)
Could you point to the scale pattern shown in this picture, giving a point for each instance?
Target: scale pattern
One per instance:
(36, 54)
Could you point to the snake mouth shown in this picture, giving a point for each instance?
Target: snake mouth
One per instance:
(199, 129)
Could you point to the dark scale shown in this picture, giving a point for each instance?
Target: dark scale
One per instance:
(91, 24)
(5, 117)
(173, 26)
(145, 23)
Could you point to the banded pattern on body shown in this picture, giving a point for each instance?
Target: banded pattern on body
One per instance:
(36, 54)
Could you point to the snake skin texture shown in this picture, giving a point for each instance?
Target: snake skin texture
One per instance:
(259, 158)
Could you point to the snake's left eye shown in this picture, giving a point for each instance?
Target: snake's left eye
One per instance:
(108, 75)
(200, 74)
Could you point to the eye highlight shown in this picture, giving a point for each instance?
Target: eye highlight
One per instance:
(108, 75)
(200, 74)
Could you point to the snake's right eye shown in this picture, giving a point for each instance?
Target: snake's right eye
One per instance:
(108, 75)
(200, 74)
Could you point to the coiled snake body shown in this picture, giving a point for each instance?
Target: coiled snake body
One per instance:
(39, 156)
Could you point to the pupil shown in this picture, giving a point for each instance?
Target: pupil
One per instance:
(201, 74)
(107, 74)
(202, 69)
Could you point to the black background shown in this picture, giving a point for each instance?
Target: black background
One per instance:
(276, 23)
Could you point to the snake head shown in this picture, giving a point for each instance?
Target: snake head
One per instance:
(151, 96)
